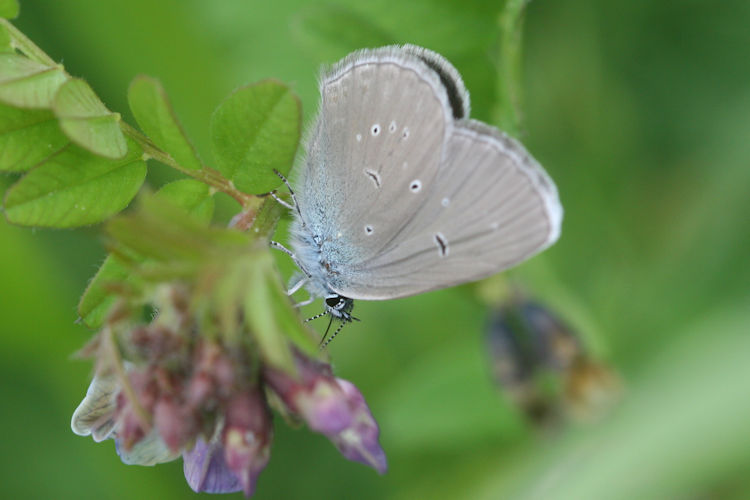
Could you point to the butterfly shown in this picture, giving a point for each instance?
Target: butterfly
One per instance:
(402, 193)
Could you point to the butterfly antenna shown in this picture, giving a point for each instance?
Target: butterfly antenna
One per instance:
(332, 336)
(326, 333)
(316, 316)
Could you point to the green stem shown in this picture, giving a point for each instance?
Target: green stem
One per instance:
(25, 45)
(267, 217)
(206, 175)
(507, 113)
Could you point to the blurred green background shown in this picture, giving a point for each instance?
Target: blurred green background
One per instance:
(640, 111)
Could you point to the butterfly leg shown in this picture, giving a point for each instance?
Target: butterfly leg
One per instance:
(279, 246)
(296, 286)
(295, 205)
(282, 202)
(305, 302)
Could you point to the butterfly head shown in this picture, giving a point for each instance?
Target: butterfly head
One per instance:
(339, 306)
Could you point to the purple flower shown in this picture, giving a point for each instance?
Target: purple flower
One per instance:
(332, 406)
(206, 470)
(211, 408)
(359, 441)
(247, 437)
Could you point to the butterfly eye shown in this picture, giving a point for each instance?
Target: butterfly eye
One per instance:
(333, 301)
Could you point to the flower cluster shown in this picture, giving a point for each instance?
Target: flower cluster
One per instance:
(169, 391)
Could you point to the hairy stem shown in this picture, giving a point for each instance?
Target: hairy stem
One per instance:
(206, 175)
(507, 112)
(25, 45)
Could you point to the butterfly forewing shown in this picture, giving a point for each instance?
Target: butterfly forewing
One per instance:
(379, 138)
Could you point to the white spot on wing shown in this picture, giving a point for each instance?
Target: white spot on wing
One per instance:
(359, 137)
(445, 202)
(392, 127)
(415, 186)
(369, 229)
(405, 134)
(375, 130)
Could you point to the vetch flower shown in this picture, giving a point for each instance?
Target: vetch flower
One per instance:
(359, 441)
(209, 405)
(223, 345)
(207, 471)
(332, 406)
(247, 436)
(95, 415)
(313, 394)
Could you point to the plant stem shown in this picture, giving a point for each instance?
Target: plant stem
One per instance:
(507, 112)
(22, 43)
(206, 174)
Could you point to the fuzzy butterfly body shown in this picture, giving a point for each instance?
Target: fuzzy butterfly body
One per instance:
(401, 193)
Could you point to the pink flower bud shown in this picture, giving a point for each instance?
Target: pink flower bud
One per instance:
(359, 441)
(314, 395)
(200, 389)
(175, 424)
(247, 436)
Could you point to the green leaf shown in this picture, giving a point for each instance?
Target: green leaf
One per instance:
(161, 231)
(98, 299)
(75, 188)
(260, 305)
(9, 9)
(254, 131)
(287, 317)
(27, 137)
(192, 195)
(87, 122)
(154, 114)
(28, 84)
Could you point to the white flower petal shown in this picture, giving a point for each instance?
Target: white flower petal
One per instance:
(150, 450)
(97, 408)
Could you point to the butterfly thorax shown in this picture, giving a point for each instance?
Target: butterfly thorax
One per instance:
(317, 254)
(310, 249)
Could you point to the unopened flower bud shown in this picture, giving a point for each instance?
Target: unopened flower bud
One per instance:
(359, 441)
(314, 395)
(175, 423)
(247, 436)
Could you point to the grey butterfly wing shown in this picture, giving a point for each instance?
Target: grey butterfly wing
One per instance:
(458, 96)
(490, 207)
(382, 125)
